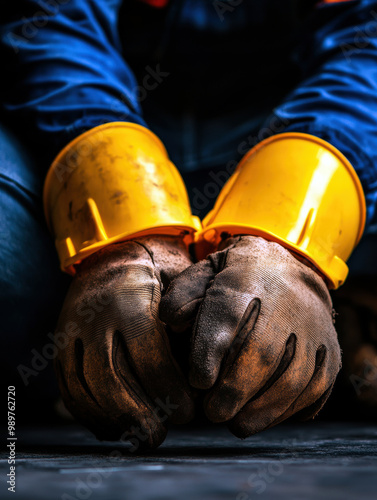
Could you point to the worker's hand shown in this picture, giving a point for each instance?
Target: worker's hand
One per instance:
(117, 374)
(264, 343)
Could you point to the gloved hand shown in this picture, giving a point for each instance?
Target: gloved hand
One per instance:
(264, 344)
(117, 374)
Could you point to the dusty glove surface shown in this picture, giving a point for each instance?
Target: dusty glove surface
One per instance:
(263, 343)
(116, 372)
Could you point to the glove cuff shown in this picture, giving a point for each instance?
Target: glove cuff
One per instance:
(112, 183)
(300, 191)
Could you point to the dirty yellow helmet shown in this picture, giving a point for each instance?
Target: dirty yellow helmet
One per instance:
(297, 190)
(113, 183)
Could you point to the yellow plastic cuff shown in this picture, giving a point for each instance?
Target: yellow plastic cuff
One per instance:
(113, 183)
(299, 191)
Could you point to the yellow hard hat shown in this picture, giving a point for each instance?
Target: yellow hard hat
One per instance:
(113, 183)
(300, 191)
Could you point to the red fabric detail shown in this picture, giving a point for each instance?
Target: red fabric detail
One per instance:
(333, 1)
(158, 4)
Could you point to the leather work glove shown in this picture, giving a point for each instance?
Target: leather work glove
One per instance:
(263, 345)
(117, 374)
(356, 304)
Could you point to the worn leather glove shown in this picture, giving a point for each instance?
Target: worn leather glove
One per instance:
(263, 344)
(116, 373)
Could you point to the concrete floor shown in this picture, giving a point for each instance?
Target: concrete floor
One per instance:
(316, 460)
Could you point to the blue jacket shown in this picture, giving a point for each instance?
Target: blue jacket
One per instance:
(74, 64)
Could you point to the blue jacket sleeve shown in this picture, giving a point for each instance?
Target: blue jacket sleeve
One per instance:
(337, 99)
(65, 69)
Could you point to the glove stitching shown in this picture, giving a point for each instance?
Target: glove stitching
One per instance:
(79, 366)
(230, 357)
(313, 410)
(281, 369)
(321, 355)
(118, 342)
